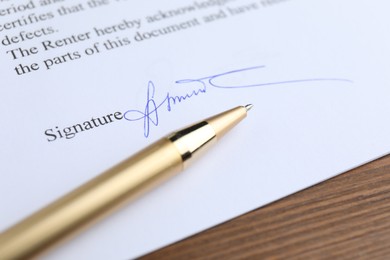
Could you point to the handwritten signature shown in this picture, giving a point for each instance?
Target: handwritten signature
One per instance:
(150, 113)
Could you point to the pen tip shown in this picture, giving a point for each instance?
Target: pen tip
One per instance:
(248, 107)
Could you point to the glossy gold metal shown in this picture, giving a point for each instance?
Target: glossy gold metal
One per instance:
(225, 121)
(118, 185)
(192, 141)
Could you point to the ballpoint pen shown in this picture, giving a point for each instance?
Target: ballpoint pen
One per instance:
(116, 186)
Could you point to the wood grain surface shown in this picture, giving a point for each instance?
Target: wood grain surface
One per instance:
(346, 217)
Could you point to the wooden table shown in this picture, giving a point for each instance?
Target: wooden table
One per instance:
(346, 217)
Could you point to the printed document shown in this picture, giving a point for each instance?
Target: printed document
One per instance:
(86, 84)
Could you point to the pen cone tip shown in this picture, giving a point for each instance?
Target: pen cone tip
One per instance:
(225, 121)
(248, 107)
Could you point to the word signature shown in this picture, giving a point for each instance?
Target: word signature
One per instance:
(150, 113)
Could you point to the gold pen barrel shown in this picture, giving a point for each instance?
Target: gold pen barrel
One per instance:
(119, 184)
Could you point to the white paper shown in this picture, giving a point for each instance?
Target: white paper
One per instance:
(321, 104)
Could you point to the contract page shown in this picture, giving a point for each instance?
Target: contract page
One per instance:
(86, 84)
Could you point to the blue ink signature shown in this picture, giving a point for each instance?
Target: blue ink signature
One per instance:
(150, 114)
